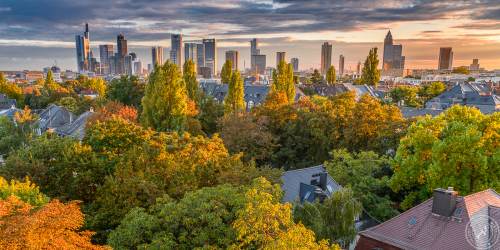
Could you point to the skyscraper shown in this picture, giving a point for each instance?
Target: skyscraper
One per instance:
(121, 45)
(191, 52)
(259, 64)
(341, 65)
(200, 53)
(233, 56)
(121, 53)
(156, 55)
(105, 55)
(475, 65)
(295, 64)
(280, 56)
(254, 50)
(393, 62)
(445, 58)
(358, 68)
(326, 57)
(83, 50)
(211, 55)
(176, 49)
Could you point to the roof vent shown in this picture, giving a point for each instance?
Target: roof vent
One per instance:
(444, 202)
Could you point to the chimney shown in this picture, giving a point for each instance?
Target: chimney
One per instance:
(444, 201)
(322, 180)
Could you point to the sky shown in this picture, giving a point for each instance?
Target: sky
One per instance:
(39, 33)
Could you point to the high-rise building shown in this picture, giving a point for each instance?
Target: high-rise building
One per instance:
(475, 65)
(341, 65)
(210, 55)
(358, 68)
(156, 55)
(200, 53)
(121, 45)
(105, 55)
(280, 57)
(393, 62)
(121, 66)
(191, 52)
(295, 64)
(176, 49)
(445, 58)
(233, 56)
(259, 64)
(326, 57)
(83, 50)
(254, 50)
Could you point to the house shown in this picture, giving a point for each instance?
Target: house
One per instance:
(446, 221)
(9, 113)
(6, 103)
(54, 117)
(75, 129)
(337, 89)
(307, 184)
(467, 94)
(409, 112)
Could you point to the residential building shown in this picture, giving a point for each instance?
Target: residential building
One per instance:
(106, 53)
(156, 55)
(308, 184)
(341, 65)
(6, 103)
(445, 221)
(83, 50)
(210, 47)
(280, 57)
(200, 53)
(295, 64)
(259, 64)
(176, 49)
(233, 56)
(326, 57)
(393, 61)
(191, 53)
(475, 65)
(445, 59)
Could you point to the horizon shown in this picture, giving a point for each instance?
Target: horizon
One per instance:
(41, 33)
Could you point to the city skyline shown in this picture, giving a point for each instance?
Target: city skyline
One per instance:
(471, 28)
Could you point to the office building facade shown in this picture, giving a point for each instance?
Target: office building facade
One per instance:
(106, 54)
(156, 55)
(280, 57)
(176, 49)
(233, 56)
(393, 62)
(445, 58)
(210, 47)
(191, 52)
(295, 64)
(259, 64)
(83, 50)
(341, 65)
(326, 57)
(200, 53)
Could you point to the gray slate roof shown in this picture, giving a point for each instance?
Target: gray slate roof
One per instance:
(292, 181)
(409, 112)
(54, 117)
(468, 94)
(5, 102)
(75, 129)
(9, 112)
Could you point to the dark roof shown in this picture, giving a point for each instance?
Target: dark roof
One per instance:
(9, 112)
(418, 228)
(409, 112)
(5, 102)
(469, 94)
(54, 117)
(75, 129)
(292, 182)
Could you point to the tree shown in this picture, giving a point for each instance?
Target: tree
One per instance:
(265, 223)
(406, 94)
(283, 81)
(235, 99)
(331, 78)
(25, 191)
(461, 70)
(112, 109)
(11, 90)
(128, 90)
(316, 77)
(201, 219)
(227, 72)
(371, 72)
(429, 91)
(333, 219)
(165, 102)
(458, 148)
(210, 113)
(53, 226)
(189, 74)
(18, 132)
(367, 174)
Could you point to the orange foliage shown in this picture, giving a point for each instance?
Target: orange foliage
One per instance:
(115, 109)
(53, 226)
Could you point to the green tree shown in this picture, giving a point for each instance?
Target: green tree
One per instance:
(165, 102)
(316, 77)
(283, 81)
(371, 72)
(333, 219)
(128, 90)
(234, 102)
(26, 191)
(210, 112)
(226, 72)
(11, 90)
(189, 74)
(461, 70)
(459, 148)
(429, 91)
(406, 94)
(331, 77)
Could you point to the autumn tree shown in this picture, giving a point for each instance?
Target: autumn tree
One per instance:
(283, 81)
(235, 99)
(371, 72)
(331, 77)
(316, 77)
(11, 90)
(189, 75)
(407, 95)
(227, 72)
(128, 90)
(25, 191)
(111, 109)
(459, 148)
(431, 90)
(165, 102)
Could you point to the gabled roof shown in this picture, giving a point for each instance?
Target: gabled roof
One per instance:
(418, 228)
(75, 129)
(54, 117)
(5, 102)
(409, 112)
(10, 112)
(292, 181)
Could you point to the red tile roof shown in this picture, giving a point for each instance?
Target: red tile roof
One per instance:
(419, 229)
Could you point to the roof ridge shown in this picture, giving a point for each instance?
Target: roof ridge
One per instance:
(481, 192)
(301, 169)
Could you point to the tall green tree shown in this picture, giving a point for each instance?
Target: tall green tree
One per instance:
(189, 75)
(283, 81)
(331, 77)
(226, 72)
(371, 72)
(165, 105)
(235, 98)
(128, 90)
(316, 77)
